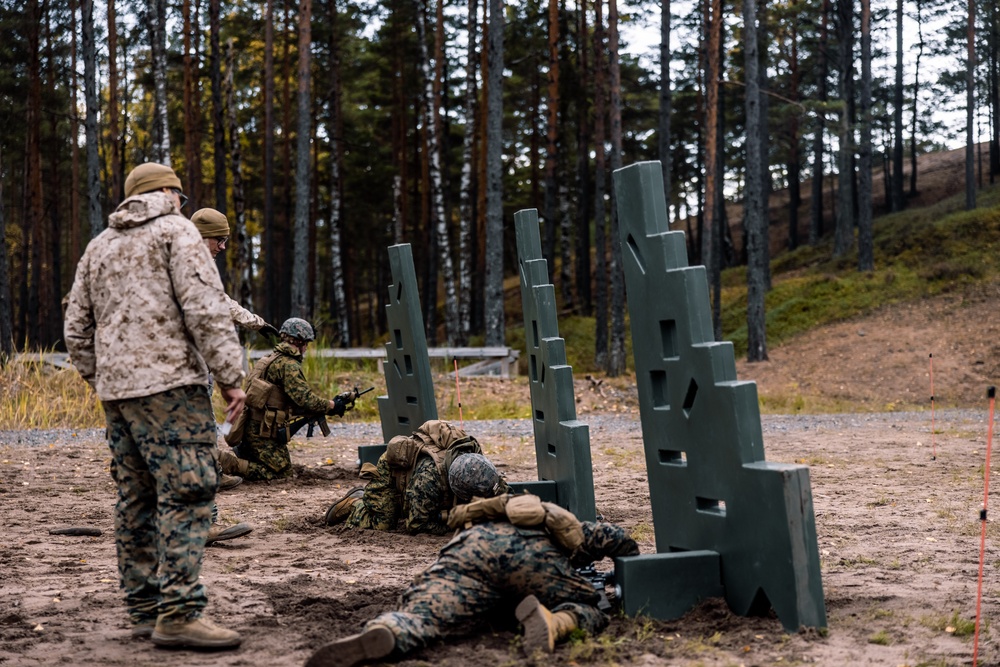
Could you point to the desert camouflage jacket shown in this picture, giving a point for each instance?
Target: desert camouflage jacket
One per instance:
(242, 317)
(146, 312)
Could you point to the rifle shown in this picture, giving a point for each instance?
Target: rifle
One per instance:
(599, 580)
(343, 402)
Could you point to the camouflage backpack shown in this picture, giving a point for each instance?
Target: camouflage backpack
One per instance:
(440, 440)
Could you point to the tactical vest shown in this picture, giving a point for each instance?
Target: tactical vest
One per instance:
(267, 402)
(440, 440)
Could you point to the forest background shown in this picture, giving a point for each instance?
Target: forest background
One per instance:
(327, 131)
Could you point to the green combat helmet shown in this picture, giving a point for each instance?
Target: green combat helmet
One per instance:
(473, 475)
(298, 328)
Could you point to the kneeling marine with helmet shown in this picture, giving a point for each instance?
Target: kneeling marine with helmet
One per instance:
(277, 392)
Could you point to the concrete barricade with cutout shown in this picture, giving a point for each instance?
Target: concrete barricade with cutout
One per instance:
(562, 442)
(727, 522)
(409, 385)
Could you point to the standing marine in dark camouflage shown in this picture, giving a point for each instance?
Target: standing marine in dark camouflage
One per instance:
(277, 392)
(525, 559)
(146, 323)
(417, 479)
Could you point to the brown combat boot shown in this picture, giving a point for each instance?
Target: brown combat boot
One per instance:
(193, 633)
(227, 482)
(230, 464)
(543, 628)
(217, 532)
(340, 510)
(143, 629)
(377, 641)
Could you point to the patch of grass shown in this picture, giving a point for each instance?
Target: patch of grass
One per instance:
(860, 560)
(881, 638)
(36, 395)
(952, 249)
(881, 502)
(642, 532)
(954, 624)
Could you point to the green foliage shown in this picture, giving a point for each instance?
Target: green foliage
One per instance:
(881, 638)
(918, 253)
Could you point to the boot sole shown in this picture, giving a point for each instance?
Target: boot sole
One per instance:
(536, 630)
(332, 510)
(167, 641)
(231, 533)
(372, 644)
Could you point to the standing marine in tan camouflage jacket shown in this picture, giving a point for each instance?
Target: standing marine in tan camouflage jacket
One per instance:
(278, 392)
(145, 323)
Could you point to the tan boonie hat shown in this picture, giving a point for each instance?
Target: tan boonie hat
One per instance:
(149, 177)
(210, 223)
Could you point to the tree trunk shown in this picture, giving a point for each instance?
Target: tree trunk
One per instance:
(794, 158)
(600, 211)
(753, 221)
(243, 257)
(970, 107)
(90, 124)
(552, 140)
(158, 40)
(438, 221)
(33, 205)
(844, 231)
(710, 241)
(897, 112)
(666, 159)
(994, 87)
(6, 322)
(916, 101)
(467, 196)
(765, 148)
(191, 120)
(866, 251)
(300, 268)
(616, 354)
(583, 139)
(116, 180)
(218, 123)
(816, 198)
(272, 259)
(493, 289)
(51, 288)
(75, 248)
(335, 131)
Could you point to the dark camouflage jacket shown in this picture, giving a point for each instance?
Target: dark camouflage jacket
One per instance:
(285, 373)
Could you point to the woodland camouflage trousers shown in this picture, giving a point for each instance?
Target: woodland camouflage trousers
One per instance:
(487, 568)
(164, 460)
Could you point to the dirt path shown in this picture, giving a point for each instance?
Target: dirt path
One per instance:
(898, 535)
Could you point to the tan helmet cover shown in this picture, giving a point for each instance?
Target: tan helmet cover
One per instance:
(149, 177)
(210, 223)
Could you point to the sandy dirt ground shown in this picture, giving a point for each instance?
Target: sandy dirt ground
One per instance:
(898, 536)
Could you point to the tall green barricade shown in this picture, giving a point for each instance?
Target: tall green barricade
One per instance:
(409, 399)
(562, 442)
(726, 521)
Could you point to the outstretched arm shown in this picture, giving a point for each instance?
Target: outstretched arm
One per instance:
(603, 540)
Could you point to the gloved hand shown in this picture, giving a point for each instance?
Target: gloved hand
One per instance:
(339, 407)
(484, 509)
(347, 398)
(564, 527)
(269, 331)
